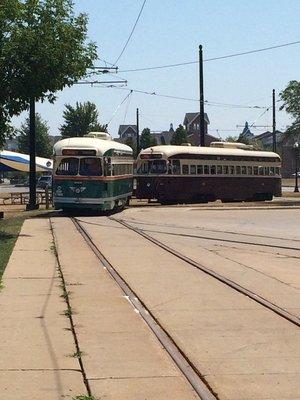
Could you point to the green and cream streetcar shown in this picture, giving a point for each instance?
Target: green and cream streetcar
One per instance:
(92, 172)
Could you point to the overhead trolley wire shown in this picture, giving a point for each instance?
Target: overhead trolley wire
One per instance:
(131, 33)
(212, 59)
(210, 103)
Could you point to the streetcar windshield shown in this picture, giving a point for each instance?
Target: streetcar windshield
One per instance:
(68, 166)
(87, 166)
(157, 167)
(90, 167)
(153, 167)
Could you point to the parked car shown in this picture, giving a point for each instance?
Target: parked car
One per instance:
(44, 182)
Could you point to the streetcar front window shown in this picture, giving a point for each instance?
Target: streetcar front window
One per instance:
(90, 167)
(68, 166)
(157, 167)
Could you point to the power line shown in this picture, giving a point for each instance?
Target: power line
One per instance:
(131, 33)
(116, 110)
(212, 59)
(209, 103)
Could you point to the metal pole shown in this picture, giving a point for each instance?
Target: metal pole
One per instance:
(296, 190)
(274, 123)
(32, 167)
(137, 132)
(201, 98)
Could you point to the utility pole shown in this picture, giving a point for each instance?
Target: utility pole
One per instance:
(137, 132)
(274, 123)
(32, 166)
(201, 98)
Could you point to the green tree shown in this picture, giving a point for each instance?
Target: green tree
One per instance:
(179, 136)
(147, 140)
(231, 139)
(43, 48)
(43, 142)
(132, 143)
(80, 120)
(291, 98)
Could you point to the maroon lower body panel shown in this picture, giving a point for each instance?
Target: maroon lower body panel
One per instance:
(188, 189)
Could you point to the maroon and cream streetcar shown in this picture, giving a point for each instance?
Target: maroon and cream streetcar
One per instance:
(224, 171)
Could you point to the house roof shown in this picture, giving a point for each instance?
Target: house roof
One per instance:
(189, 117)
(267, 134)
(123, 129)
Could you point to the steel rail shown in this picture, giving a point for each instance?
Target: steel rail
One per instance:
(192, 374)
(241, 289)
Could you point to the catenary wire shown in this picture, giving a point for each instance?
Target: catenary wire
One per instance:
(207, 102)
(212, 59)
(131, 33)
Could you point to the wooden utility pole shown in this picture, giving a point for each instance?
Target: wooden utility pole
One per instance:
(274, 122)
(137, 132)
(201, 98)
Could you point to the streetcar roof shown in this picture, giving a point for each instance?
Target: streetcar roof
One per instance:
(99, 145)
(171, 150)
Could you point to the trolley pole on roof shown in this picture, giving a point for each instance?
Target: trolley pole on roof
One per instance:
(32, 165)
(274, 122)
(201, 98)
(137, 132)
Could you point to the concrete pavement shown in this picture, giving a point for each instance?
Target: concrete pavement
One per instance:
(121, 357)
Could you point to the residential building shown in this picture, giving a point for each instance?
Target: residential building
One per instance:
(246, 134)
(127, 132)
(266, 139)
(164, 137)
(192, 125)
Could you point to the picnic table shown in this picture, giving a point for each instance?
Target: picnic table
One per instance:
(23, 197)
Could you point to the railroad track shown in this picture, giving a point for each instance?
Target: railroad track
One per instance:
(221, 278)
(189, 370)
(214, 238)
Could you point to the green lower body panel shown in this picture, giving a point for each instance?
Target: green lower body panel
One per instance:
(91, 195)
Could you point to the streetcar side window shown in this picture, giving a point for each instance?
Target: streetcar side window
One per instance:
(192, 169)
(231, 169)
(90, 167)
(267, 170)
(255, 170)
(249, 170)
(185, 169)
(225, 169)
(272, 171)
(68, 166)
(200, 169)
(122, 169)
(219, 169)
(261, 170)
(238, 169)
(176, 167)
(277, 171)
(244, 170)
(213, 169)
(206, 169)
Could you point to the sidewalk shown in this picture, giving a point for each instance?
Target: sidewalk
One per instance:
(119, 355)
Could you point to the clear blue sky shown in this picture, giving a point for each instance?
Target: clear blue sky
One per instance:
(169, 31)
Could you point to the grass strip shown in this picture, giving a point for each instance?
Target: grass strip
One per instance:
(9, 232)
